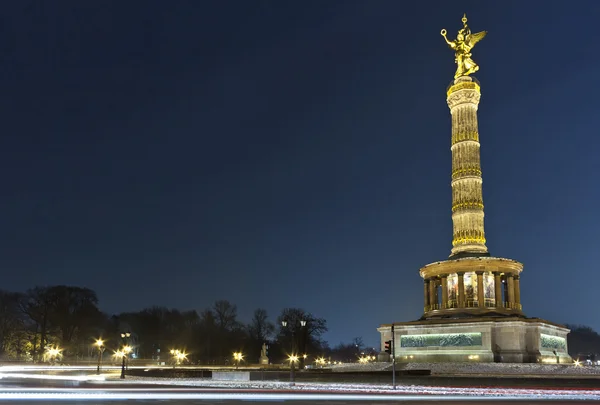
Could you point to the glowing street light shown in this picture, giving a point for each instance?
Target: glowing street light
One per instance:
(178, 356)
(126, 349)
(293, 358)
(100, 344)
(52, 353)
(238, 357)
(118, 354)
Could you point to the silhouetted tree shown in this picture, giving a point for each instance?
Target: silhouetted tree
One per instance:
(12, 323)
(225, 315)
(300, 339)
(63, 315)
(347, 352)
(259, 332)
(157, 330)
(206, 336)
(75, 315)
(260, 329)
(583, 342)
(37, 306)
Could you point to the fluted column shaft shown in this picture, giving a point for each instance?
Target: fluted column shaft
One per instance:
(426, 293)
(444, 292)
(480, 291)
(461, 290)
(498, 289)
(467, 196)
(517, 287)
(510, 289)
(433, 293)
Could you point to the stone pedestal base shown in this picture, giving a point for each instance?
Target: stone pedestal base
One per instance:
(502, 340)
(263, 360)
(384, 357)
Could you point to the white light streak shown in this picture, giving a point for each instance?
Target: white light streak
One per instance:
(124, 395)
(54, 377)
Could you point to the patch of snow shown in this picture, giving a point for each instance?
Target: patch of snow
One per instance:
(502, 369)
(590, 394)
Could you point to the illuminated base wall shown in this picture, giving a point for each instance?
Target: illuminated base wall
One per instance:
(503, 340)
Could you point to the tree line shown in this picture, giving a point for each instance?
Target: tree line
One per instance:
(68, 317)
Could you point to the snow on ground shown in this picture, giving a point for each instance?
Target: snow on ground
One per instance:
(491, 369)
(360, 367)
(589, 394)
(514, 369)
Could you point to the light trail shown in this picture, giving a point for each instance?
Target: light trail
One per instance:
(61, 368)
(54, 377)
(82, 395)
(271, 395)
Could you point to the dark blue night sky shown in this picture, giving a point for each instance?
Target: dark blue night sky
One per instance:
(292, 153)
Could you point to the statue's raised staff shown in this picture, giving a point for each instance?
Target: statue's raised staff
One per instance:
(462, 45)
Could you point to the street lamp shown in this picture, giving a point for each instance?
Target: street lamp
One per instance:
(126, 349)
(101, 347)
(178, 357)
(293, 358)
(238, 357)
(52, 353)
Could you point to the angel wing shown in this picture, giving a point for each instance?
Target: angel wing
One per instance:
(472, 39)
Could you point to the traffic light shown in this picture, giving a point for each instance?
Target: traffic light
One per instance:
(388, 346)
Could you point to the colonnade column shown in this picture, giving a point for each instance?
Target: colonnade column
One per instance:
(426, 293)
(517, 287)
(510, 289)
(432, 294)
(498, 289)
(444, 292)
(480, 291)
(461, 290)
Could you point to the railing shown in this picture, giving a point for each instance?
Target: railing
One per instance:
(470, 303)
(513, 305)
(432, 307)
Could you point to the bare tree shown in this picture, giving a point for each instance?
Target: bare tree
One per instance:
(73, 310)
(300, 339)
(37, 306)
(11, 319)
(260, 329)
(225, 315)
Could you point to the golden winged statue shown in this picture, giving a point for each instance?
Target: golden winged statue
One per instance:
(462, 45)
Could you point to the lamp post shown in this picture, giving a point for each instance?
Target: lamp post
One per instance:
(293, 358)
(101, 348)
(304, 331)
(125, 337)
